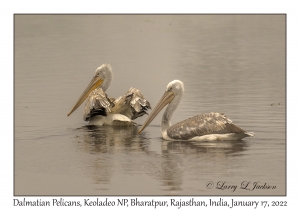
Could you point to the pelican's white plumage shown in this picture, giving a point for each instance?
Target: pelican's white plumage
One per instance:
(208, 126)
(101, 110)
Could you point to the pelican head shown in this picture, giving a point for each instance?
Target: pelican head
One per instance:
(103, 77)
(172, 97)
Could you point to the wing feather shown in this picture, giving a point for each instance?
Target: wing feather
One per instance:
(133, 104)
(97, 103)
(203, 124)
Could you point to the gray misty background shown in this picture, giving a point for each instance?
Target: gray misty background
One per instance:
(233, 64)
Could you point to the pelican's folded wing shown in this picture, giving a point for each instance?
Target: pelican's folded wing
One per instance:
(133, 104)
(97, 103)
(203, 124)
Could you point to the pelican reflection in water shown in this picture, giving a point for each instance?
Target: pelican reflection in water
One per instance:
(102, 110)
(208, 126)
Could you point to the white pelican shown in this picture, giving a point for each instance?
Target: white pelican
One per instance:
(208, 126)
(101, 110)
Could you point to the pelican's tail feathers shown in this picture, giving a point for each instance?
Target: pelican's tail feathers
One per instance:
(249, 133)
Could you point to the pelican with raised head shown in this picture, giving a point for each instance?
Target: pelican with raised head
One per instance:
(102, 110)
(208, 126)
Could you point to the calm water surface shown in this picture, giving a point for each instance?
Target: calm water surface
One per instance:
(233, 64)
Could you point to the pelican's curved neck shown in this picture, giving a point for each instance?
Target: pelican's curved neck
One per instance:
(107, 80)
(166, 118)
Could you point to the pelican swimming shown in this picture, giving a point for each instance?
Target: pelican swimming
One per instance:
(208, 126)
(102, 110)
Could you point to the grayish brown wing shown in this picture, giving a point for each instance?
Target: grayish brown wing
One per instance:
(203, 124)
(133, 104)
(97, 103)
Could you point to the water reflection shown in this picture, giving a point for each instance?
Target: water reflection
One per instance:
(112, 148)
(105, 144)
(202, 156)
(107, 139)
(209, 147)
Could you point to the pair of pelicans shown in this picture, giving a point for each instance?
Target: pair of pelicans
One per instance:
(102, 110)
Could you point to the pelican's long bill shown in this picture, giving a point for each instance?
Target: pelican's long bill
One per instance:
(95, 82)
(165, 99)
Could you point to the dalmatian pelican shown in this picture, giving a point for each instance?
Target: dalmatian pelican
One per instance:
(101, 110)
(208, 126)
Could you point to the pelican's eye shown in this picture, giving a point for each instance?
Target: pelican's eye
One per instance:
(98, 74)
